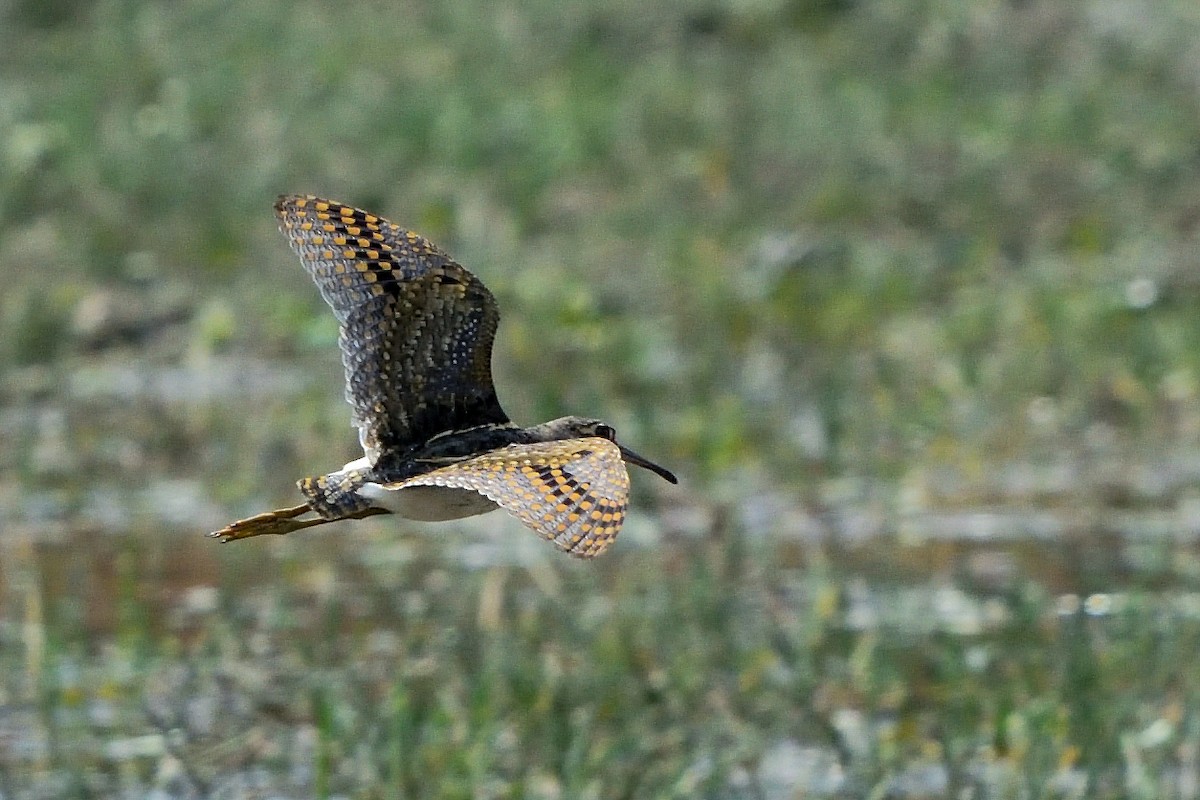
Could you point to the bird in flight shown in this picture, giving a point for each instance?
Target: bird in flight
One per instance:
(416, 331)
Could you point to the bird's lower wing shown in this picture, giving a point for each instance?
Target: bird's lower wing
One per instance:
(573, 492)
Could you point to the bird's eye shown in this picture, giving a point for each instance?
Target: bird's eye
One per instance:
(605, 432)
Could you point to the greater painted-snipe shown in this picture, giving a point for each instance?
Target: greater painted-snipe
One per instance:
(416, 332)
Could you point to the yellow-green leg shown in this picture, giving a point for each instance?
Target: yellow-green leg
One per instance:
(283, 521)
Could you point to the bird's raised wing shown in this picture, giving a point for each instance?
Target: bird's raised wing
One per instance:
(416, 327)
(573, 492)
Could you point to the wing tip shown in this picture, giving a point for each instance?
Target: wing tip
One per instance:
(285, 200)
(289, 202)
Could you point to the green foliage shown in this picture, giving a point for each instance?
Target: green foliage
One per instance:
(781, 181)
(377, 670)
(892, 258)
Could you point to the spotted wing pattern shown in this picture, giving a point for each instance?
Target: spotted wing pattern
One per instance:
(416, 327)
(572, 492)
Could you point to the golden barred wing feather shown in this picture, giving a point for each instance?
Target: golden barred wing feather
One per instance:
(573, 492)
(416, 328)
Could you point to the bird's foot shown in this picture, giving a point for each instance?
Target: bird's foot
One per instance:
(276, 522)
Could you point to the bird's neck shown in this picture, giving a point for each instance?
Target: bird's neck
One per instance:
(551, 431)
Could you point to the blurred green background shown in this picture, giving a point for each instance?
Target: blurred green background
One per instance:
(904, 290)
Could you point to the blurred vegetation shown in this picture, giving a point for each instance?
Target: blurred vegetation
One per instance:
(846, 266)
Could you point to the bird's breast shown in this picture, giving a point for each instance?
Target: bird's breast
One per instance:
(428, 503)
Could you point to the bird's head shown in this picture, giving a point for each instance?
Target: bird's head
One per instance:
(582, 428)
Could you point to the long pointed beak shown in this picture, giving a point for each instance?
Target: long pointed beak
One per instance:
(634, 458)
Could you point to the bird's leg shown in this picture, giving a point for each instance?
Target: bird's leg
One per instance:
(331, 497)
(284, 521)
